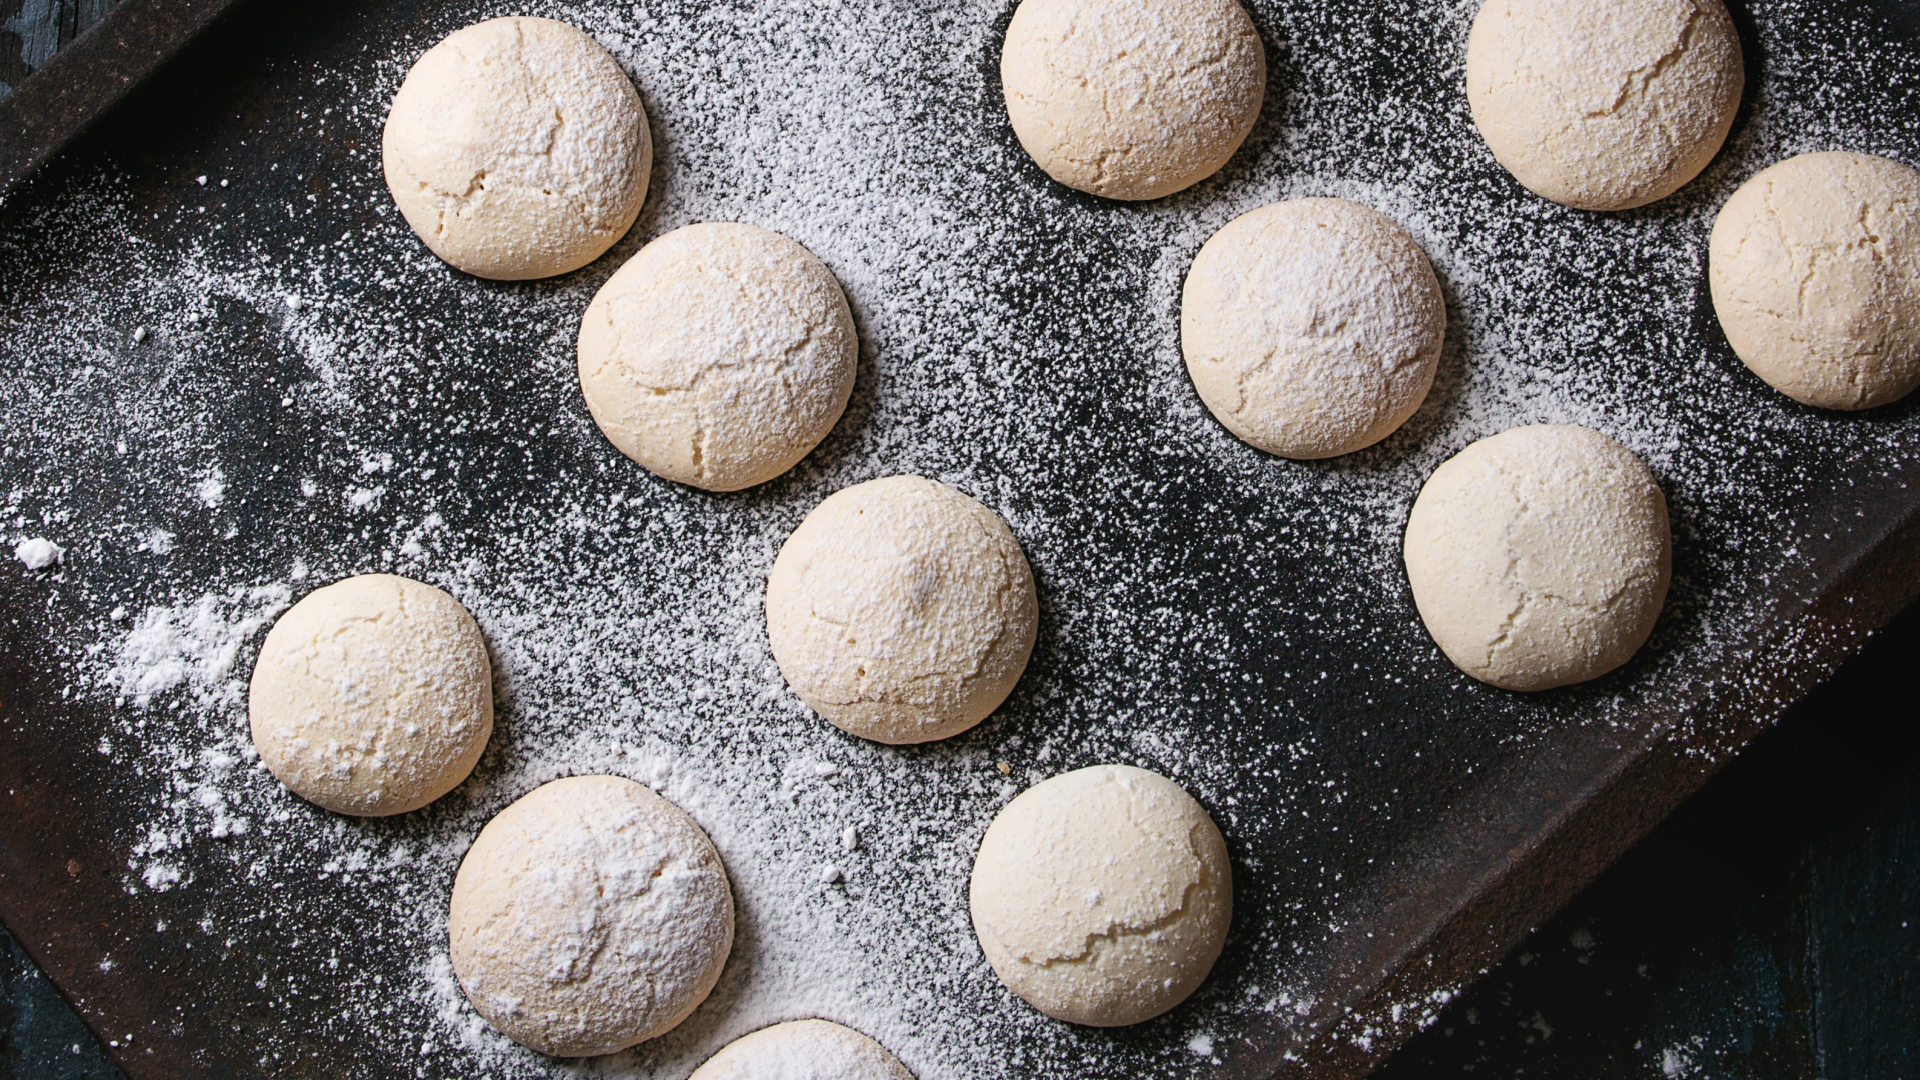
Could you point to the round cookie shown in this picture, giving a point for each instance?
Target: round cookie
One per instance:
(902, 610)
(1540, 556)
(1604, 106)
(1312, 327)
(1815, 270)
(718, 356)
(1102, 896)
(372, 696)
(590, 915)
(517, 148)
(803, 1050)
(1130, 100)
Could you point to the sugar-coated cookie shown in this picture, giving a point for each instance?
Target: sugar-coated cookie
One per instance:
(718, 356)
(902, 610)
(372, 696)
(1102, 896)
(803, 1050)
(517, 148)
(1540, 556)
(1312, 327)
(1132, 100)
(1604, 106)
(1815, 270)
(590, 915)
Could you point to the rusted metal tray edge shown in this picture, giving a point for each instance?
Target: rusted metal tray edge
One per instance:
(1858, 579)
(85, 80)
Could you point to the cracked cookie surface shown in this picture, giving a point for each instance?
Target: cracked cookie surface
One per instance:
(516, 148)
(1102, 896)
(718, 356)
(1604, 106)
(1312, 327)
(588, 916)
(1128, 100)
(1815, 270)
(372, 696)
(902, 610)
(1540, 557)
(803, 1050)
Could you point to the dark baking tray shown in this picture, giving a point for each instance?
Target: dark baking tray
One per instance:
(1395, 826)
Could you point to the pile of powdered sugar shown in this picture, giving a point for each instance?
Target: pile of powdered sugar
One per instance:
(284, 388)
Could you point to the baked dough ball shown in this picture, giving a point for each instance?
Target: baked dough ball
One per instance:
(1132, 100)
(372, 696)
(1312, 327)
(1604, 106)
(517, 148)
(1102, 896)
(590, 915)
(803, 1050)
(1815, 271)
(902, 610)
(718, 356)
(1540, 557)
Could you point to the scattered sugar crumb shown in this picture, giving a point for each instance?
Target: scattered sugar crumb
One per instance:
(38, 553)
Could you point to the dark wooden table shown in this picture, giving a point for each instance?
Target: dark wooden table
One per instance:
(1769, 929)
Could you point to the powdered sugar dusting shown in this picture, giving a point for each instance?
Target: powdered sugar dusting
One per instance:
(1235, 622)
(195, 646)
(37, 552)
(566, 158)
(588, 915)
(1311, 327)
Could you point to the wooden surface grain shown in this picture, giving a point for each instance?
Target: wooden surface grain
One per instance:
(31, 31)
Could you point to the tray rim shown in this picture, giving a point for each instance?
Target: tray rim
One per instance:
(83, 82)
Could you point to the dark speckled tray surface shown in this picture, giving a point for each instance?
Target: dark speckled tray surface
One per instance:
(1345, 748)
